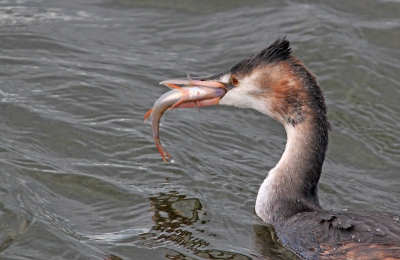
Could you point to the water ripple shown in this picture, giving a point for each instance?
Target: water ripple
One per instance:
(80, 172)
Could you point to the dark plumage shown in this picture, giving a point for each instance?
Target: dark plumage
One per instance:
(278, 51)
(342, 235)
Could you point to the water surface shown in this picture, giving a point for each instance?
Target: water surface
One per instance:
(80, 175)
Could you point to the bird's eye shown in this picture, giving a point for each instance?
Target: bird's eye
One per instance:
(234, 80)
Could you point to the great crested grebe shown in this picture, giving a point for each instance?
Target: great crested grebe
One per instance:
(280, 86)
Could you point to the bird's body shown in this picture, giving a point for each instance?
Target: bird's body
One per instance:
(320, 234)
(280, 86)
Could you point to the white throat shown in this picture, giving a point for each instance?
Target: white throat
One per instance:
(284, 183)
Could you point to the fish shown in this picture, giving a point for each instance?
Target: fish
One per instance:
(196, 94)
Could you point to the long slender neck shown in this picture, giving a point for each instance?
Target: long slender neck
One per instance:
(291, 187)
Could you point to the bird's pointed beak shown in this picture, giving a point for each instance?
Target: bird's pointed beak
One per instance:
(192, 82)
(208, 81)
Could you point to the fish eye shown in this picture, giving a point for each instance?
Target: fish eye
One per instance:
(234, 80)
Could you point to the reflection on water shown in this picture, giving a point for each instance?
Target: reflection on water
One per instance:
(268, 245)
(172, 213)
(78, 167)
(174, 216)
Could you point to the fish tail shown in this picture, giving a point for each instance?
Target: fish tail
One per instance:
(161, 150)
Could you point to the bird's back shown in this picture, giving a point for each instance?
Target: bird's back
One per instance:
(342, 235)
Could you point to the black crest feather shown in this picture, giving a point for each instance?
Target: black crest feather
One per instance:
(278, 51)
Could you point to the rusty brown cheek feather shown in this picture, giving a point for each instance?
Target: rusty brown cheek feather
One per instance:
(284, 92)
